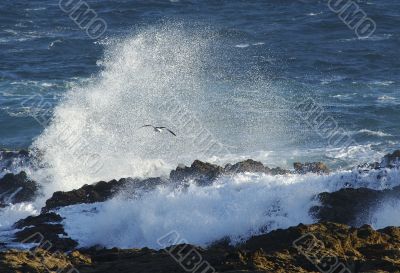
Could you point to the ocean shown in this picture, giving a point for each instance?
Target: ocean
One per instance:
(275, 81)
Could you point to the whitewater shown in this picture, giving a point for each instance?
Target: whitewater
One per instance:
(93, 136)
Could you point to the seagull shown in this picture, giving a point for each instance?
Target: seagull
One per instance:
(158, 129)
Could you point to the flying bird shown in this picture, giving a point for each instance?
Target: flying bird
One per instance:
(158, 129)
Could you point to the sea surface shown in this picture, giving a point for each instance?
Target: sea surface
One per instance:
(228, 74)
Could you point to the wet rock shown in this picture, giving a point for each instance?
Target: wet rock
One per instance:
(351, 206)
(369, 166)
(278, 171)
(53, 233)
(359, 249)
(313, 167)
(203, 173)
(344, 206)
(45, 218)
(17, 188)
(146, 184)
(12, 160)
(391, 160)
(296, 249)
(98, 192)
(248, 165)
(42, 228)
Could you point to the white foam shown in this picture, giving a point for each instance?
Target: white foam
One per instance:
(382, 83)
(314, 14)
(242, 45)
(378, 37)
(335, 78)
(374, 133)
(53, 43)
(385, 97)
(386, 214)
(9, 215)
(237, 207)
(355, 154)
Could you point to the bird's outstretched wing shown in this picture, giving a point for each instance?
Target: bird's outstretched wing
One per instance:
(167, 130)
(147, 125)
(171, 131)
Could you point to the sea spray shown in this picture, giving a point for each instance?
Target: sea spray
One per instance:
(236, 207)
(94, 134)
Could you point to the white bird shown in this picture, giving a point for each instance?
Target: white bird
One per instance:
(158, 129)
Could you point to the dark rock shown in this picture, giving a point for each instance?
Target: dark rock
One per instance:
(203, 173)
(24, 152)
(44, 227)
(98, 192)
(12, 160)
(47, 232)
(313, 167)
(344, 206)
(369, 166)
(391, 160)
(279, 171)
(248, 165)
(351, 206)
(147, 184)
(284, 250)
(45, 218)
(16, 188)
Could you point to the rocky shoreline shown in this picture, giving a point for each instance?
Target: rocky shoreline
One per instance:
(338, 237)
(346, 248)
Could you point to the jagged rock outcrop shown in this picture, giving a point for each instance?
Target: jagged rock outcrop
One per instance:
(303, 248)
(313, 167)
(351, 206)
(12, 159)
(391, 160)
(203, 173)
(17, 188)
(54, 233)
(248, 165)
(45, 218)
(44, 227)
(352, 249)
(98, 192)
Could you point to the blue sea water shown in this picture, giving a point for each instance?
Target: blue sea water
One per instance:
(300, 49)
(238, 70)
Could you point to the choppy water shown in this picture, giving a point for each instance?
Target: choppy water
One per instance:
(236, 70)
(298, 48)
